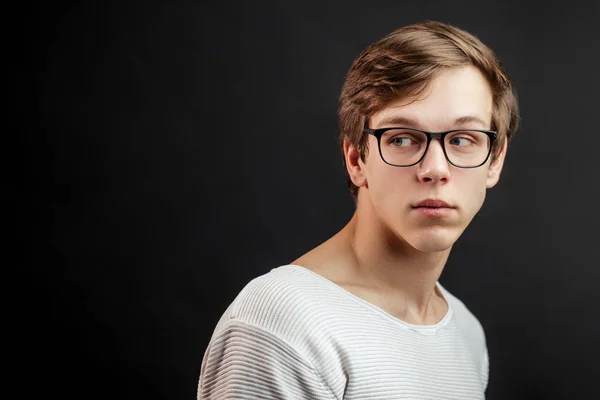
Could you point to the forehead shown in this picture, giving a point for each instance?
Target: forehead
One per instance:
(456, 96)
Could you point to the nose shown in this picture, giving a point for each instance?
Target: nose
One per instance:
(434, 166)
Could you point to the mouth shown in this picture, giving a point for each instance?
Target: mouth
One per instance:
(433, 208)
(430, 203)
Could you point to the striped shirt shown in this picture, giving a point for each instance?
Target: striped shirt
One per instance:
(293, 334)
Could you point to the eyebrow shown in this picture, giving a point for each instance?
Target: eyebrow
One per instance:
(471, 119)
(408, 122)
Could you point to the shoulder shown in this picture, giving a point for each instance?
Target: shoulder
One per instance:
(467, 322)
(267, 343)
(470, 327)
(473, 333)
(282, 301)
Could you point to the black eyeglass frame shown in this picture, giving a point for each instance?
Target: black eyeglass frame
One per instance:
(431, 135)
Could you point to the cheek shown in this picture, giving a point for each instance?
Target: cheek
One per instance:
(390, 189)
(472, 189)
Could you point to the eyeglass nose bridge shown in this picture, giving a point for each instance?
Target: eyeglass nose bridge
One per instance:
(435, 135)
(430, 137)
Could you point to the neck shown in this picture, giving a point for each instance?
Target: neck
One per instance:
(390, 265)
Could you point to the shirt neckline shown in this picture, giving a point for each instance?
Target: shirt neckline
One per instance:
(428, 330)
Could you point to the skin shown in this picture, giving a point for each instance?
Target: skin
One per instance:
(391, 254)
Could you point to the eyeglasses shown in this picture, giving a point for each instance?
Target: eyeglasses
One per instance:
(404, 147)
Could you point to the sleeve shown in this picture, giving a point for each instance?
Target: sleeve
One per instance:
(244, 361)
(485, 369)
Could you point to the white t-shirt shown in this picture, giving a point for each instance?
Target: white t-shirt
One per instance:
(293, 334)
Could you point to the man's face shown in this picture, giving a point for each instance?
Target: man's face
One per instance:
(458, 98)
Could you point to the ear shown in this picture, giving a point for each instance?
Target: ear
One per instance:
(354, 165)
(496, 167)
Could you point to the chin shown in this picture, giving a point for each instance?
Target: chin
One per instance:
(432, 247)
(432, 241)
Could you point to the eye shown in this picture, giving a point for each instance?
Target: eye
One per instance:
(460, 141)
(403, 139)
(400, 141)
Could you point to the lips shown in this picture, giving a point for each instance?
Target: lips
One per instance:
(431, 208)
(430, 203)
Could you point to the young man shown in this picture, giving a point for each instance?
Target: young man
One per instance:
(425, 114)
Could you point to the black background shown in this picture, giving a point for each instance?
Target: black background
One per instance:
(174, 150)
